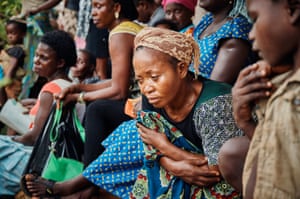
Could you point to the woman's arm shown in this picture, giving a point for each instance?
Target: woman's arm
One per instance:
(44, 6)
(191, 167)
(46, 101)
(117, 87)
(164, 146)
(232, 58)
(252, 84)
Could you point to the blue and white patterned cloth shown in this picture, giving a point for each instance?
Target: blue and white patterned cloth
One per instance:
(237, 28)
(13, 160)
(116, 169)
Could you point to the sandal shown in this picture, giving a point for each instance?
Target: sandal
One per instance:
(48, 184)
(24, 187)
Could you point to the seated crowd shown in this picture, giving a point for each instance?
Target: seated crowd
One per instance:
(171, 108)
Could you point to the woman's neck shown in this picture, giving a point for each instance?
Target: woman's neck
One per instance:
(116, 23)
(58, 75)
(221, 15)
(185, 100)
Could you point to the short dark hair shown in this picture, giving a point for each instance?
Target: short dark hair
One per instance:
(92, 58)
(171, 24)
(20, 25)
(128, 9)
(63, 44)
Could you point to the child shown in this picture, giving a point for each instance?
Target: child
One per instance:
(84, 70)
(272, 164)
(165, 23)
(12, 74)
(15, 31)
(11, 65)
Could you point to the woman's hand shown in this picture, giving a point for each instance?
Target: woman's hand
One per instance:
(69, 94)
(28, 104)
(153, 138)
(252, 84)
(192, 171)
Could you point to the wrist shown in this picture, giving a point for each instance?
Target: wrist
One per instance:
(80, 98)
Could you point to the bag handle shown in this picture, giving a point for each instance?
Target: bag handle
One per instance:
(57, 116)
(79, 125)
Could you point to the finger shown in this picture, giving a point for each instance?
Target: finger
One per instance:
(251, 88)
(249, 79)
(253, 96)
(246, 71)
(206, 181)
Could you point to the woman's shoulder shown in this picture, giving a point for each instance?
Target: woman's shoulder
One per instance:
(126, 27)
(237, 27)
(212, 89)
(56, 86)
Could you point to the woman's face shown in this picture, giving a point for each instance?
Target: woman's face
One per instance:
(46, 62)
(103, 13)
(269, 40)
(178, 14)
(213, 5)
(157, 77)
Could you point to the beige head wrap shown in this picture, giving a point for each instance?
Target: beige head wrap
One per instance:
(177, 45)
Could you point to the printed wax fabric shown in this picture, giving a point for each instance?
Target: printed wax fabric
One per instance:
(155, 182)
(237, 28)
(116, 169)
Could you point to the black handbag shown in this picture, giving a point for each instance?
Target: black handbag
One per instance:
(58, 152)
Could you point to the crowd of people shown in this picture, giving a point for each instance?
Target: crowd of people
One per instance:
(170, 109)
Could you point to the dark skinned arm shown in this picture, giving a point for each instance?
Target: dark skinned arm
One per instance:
(252, 84)
(43, 7)
(116, 87)
(46, 100)
(192, 168)
(232, 57)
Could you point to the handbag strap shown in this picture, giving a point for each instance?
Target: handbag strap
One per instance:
(78, 125)
(57, 116)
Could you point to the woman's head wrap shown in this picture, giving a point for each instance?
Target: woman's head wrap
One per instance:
(175, 44)
(239, 8)
(190, 4)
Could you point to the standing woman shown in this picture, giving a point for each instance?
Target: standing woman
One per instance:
(222, 36)
(107, 98)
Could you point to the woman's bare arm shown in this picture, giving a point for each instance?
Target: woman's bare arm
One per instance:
(232, 57)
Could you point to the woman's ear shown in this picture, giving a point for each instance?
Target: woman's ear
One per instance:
(117, 8)
(182, 69)
(61, 63)
(294, 12)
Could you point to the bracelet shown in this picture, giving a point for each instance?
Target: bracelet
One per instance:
(80, 98)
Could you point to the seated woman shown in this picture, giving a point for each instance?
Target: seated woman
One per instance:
(181, 13)
(198, 107)
(222, 36)
(106, 99)
(55, 54)
(186, 126)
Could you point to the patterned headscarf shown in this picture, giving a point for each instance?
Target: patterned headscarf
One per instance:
(239, 8)
(177, 45)
(190, 4)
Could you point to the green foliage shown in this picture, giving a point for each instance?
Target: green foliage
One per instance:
(8, 8)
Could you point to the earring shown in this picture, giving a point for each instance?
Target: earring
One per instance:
(230, 2)
(117, 15)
